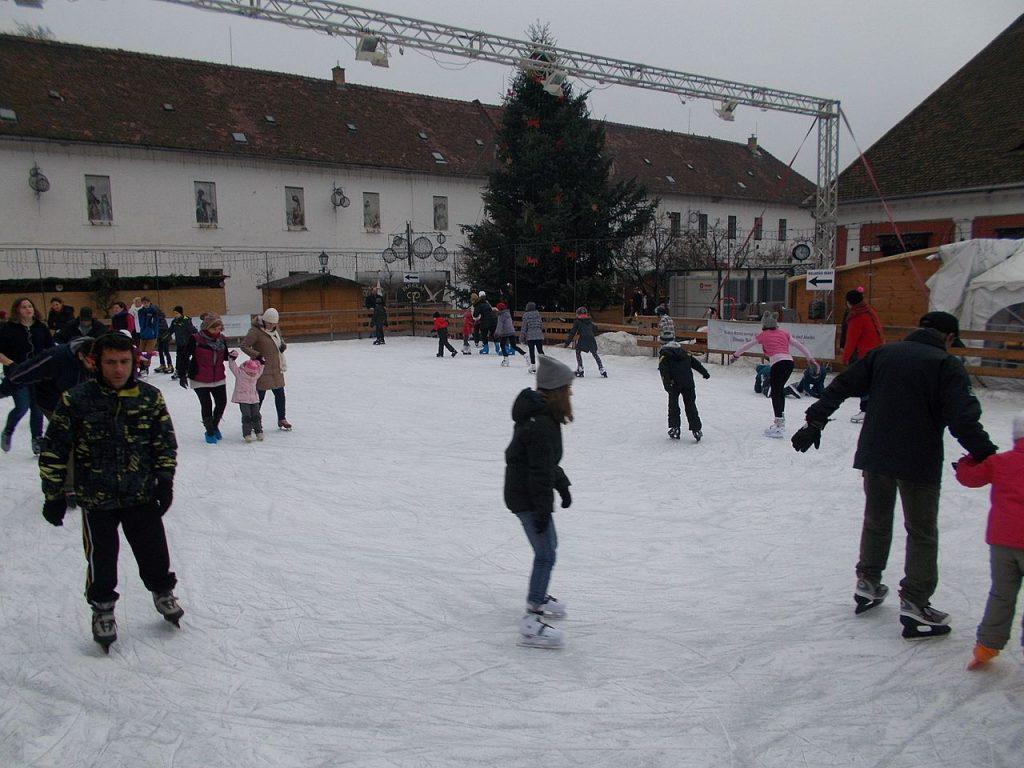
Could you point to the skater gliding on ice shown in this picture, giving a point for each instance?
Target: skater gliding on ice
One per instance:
(531, 333)
(676, 367)
(775, 344)
(505, 334)
(265, 343)
(119, 434)
(917, 389)
(1005, 539)
(247, 398)
(863, 333)
(441, 328)
(584, 328)
(532, 475)
(202, 360)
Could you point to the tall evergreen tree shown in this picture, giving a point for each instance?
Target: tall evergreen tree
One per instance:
(553, 218)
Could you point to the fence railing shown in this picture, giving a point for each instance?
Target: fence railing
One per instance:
(1000, 354)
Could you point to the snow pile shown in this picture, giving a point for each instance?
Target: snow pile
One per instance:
(620, 343)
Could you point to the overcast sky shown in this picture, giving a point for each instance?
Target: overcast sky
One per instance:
(880, 58)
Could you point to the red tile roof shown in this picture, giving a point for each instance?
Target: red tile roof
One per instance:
(117, 97)
(968, 134)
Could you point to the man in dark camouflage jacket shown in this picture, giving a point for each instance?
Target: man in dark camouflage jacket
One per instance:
(120, 434)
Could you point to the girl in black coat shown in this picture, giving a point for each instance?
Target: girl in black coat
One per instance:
(532, 475)
(23, 335)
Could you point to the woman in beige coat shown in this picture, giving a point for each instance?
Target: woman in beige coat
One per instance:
(265, 343)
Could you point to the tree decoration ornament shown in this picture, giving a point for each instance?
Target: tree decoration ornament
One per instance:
(571, 255)
(533, 122)
(555, 249)
(536, 228)
(532, 261)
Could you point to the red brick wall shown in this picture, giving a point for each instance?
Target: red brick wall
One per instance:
(985, 226)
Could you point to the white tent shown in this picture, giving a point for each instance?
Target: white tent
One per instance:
(978, 279)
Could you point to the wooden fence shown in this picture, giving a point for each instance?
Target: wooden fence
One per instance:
(1001, 354)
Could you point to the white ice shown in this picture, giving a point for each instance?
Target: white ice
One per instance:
(352, 589)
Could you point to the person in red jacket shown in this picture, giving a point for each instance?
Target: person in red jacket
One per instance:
(863, 333)
(441, 329)
(467, 329)
(1005, 538)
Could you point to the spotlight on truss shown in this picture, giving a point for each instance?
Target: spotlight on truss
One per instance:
(727, 110)
(372, 49)
(554, 83)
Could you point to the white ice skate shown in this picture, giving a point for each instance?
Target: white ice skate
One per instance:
(776, 430)
(551, 608)
(533, 368)
(534, 633)
(858, 418)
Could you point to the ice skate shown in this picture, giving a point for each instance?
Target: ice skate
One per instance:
(284, 426)
(532, 368)
(217, 434)
(858, 418)
(551, 608)
(454, 353)
(104, 626)
(37, 445)
(259, 437)
(167, 606)
(603, 372)
(982, 655)
(71, 499)
(248, 438)
(674, 433)
(504, 362)
(484, 350)
(534, 633)
(210, 439)
(579, 373)
(922, 622)
(697, 435)
(776, 430)
(467, 351)
(867, 594)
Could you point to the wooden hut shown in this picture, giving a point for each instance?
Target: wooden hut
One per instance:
(312, 292)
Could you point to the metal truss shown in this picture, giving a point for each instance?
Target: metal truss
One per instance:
(333, 18)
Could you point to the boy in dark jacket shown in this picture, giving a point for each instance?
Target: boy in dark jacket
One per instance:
(380, 319)
(532, 476)
(181, 330)
(121, 438)
(676, 367)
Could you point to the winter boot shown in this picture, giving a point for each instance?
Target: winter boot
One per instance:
(674, 433)
(454, 353)
(259, 437)
(579, 373)
(167, 606)
(37, 445)
(5, 442)
(217, 434)
(284, 426)
(858, 418)
(534, 633)
(777, 429)
(210, 438)
(484, 350)
(248, 438)
(868, 594)
(922, 622)
(104, 626)
(549, 609)
(697, 435)
(982, 656)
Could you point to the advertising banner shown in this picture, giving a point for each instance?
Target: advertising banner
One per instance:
(725, 336)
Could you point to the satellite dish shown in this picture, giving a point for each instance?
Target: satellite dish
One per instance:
(801, 252)
(37, 181)
(390, 255)
(440, 253)
(421, 247)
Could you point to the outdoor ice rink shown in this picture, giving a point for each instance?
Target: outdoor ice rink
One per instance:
(352, 589)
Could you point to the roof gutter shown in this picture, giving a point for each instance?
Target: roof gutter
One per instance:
(941, 193)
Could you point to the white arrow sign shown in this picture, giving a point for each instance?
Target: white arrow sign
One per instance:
(821, 279)
(411, 278)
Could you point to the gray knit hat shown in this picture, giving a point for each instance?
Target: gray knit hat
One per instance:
(769, 320)
(667, 335)
(552, 374)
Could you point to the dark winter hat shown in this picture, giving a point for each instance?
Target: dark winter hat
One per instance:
(179, 310)
(437, 314)
(854, 297)
(530, 306)
(552, 374)
(85, 313)
(943, 322)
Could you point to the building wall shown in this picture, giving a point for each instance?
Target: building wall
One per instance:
(310, 298)
(947, 218)
(153, 206)
(193, 300)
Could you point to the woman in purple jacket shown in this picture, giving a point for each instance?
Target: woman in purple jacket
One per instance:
(202, 360)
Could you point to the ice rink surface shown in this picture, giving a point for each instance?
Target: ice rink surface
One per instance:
(352, 589)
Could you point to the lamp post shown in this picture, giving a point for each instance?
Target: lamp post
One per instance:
(323, 258)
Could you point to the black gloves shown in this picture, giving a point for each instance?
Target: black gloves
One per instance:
(283, 347)
(809, 434)
(706, 375)
(183, 382)
(566, 497)
(54, 509)
(163, 494)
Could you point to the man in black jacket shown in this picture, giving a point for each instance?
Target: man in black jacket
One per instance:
(121, 438)
(484, 314)
(85, 325)
(60, 314)
(916, 389)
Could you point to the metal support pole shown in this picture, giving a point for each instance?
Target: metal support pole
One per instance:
(826, 196)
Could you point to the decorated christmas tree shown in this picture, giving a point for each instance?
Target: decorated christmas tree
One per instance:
(554, 219)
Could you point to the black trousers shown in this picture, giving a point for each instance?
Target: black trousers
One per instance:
(777, 378)
(535, 345)
(163, 346)
(279, 401)
(442, 343)
(689, 403)
(144, 530)
(212, 402)
(378, 329)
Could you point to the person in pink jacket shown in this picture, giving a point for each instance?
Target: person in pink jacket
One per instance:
(1005, 538)
(775, 344)
(247, 397)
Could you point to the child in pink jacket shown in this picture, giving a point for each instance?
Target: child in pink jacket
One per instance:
(247, 397)
(1005, 537)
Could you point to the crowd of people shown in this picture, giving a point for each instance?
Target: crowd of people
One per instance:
(110, 447)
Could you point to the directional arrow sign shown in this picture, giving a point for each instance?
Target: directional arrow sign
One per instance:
(821, 279)
(411, 278)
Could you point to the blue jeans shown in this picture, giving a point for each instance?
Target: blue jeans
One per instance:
(25, 402)
(544, 543)
(278, 401)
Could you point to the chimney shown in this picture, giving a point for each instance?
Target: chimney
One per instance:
(339, 77)
(751, 142)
